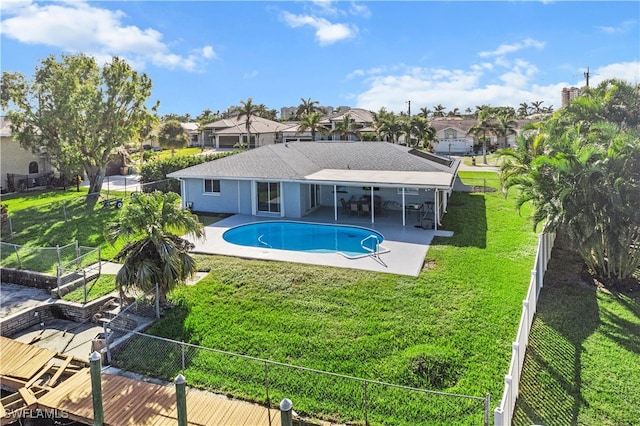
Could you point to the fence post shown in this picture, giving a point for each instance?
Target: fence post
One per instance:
(266, 386)
(286, 414)
(99, 260)
(96, 389)
(18, 257)
(509, 404)
(182, 347)
(10, 226)
(365, 403)
(59, 269)
(516, 371)
(157, 301)
(64, 212)
(487, 410)
(58, 252)
(181, 399)
(106, 342)
(84, 284)
(534, 277)
(525, 306)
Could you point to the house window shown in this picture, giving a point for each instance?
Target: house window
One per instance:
(211, 186)
(33, 167)
(408, 191)
(194, 138)
(450, 134)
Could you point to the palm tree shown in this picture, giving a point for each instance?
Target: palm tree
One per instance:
(523, 110)
(389, 126)
(379, 121)
(422, 128)
(505, 126)
(172, 135)
(248, 110)
(483, 126)
(424, 112)
(438, 110)
(153, 254)
(306, 107)
(346, 127)
(535, 105)
(454, 113)
(311, 122)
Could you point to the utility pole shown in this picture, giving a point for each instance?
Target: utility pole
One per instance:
(586, 75)
(409, 103)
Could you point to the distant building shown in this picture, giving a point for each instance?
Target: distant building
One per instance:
(569, 94)
(287, 112)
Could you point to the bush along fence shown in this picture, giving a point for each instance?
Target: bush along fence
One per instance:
(504, 412)
(316, 393)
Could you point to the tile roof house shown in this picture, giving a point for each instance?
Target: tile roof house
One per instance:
(292, 180)
(19, 168)
(232, 132)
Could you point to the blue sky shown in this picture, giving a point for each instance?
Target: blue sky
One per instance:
(368, 54)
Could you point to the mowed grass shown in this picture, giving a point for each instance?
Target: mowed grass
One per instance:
(449, 329)
(583, 361)
(104, 284)
(57, 218)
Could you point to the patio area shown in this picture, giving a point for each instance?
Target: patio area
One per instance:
(407, 245)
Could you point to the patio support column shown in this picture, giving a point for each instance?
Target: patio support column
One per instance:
(372, 206)
(436, 208)
(335, 203)
(404, 210)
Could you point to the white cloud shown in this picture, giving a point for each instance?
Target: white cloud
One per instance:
(82, 27)
(426, 87)
(623, 27)
(252, 74)
(359, 10)
(504, 49)
(326, 32)
(629, 71)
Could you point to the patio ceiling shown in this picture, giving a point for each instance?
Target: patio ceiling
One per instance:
(439, 180)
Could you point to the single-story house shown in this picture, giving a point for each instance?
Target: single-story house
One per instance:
(295, 179)
(232, 132)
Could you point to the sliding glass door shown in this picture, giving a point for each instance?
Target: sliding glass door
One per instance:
(268, 197)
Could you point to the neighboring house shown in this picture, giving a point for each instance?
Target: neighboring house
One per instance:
(362, 117)
(291, 180)
(452, 135)
(232, 132)
(193, 131)
(19, 168)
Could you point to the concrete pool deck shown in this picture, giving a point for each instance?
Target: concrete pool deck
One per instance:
(407, 246)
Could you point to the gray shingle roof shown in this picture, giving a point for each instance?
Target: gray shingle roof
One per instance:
(296, 160)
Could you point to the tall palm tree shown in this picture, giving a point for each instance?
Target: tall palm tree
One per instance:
(390, 127)
(346, 127)
(454, 113)
(505, 126)
(153, 252)
(438, 110)
(422, 128)
(483, 126)
(248, 110)
(306, 107)
(536, 106)
(523, 110)
(380, 119)
(311, 122)
(424, 112)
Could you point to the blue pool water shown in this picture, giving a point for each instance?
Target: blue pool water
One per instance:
(307, 237)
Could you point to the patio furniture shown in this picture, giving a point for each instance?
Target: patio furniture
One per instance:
(353, 205)
(345, 206)
(365, 209)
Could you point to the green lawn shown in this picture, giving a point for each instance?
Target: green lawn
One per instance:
(105, 284)
(583, 361)
(449, 329)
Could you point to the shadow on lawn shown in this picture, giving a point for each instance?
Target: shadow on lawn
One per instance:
(568, 313)
(467, 218)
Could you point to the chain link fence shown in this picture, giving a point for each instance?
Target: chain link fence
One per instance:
(315, 393)
(47, 259)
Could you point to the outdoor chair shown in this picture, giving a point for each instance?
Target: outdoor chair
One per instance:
(354, 208)
(345, 206)
(365, 209)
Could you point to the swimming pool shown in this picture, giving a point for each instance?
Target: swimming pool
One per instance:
(350, 241)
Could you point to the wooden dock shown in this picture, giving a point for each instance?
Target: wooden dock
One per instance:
(49, 381)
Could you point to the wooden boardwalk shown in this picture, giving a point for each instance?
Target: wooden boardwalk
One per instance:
(46, 380)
